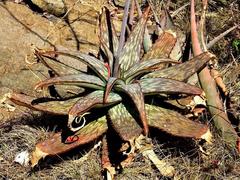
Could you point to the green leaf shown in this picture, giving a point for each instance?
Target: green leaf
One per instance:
(123, 123)
(60, 66)
(145, 67)
(111, 82)
(53, 107)
(174, 123)
(82, 80)
(183, 71)
(152, 86)
(95, 64)
(135, 93)
(92, 100)
(108, 33)
(109, 55)
(130, 53)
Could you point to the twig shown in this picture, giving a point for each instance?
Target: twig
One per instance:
(155, 17)
(179, 9)
(220, 36)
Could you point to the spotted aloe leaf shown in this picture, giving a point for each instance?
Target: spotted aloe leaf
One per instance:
(131, 50)
(82, 80)
(53, 106)
(111, 82)
(146, 67)
(174, 123)
(123, 122)
(92, 100)
(109, 54)
(56, 145)
(183, 71)
(151, 86)
(108, 35)
(136, 94)
(92, 62)
(59, 66)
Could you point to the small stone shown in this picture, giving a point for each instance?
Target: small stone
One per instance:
(22, 158)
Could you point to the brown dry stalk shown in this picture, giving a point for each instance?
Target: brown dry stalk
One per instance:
(208, 84)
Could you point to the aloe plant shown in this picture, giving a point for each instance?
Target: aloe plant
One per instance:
(122, 90)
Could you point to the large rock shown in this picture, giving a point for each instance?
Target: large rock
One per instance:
(21, 29)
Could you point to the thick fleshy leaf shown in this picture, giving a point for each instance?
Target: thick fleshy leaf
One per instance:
(130, 53)
(162, 47)
(152, 86)
(92, 100)
(174, 123)
(82, 80)
(108, 37)
(124, 123)
(183, 71)
(55, 145)
(95, 64)
(109, 55)
(109, 86)
(60, 66)
(135, 92)
(108, 33)
(146, 66)
(53, 107)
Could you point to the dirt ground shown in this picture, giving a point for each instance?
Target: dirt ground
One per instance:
(24, 27)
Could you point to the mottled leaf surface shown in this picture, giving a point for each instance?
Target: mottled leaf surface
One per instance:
(146, 66)
(183, 71)
(94, 99)
(134, 91)
(82, 80)
(53, 107)
(88, 133)
(174, 123)
(130, 53)
(95, 64)
(107, 32)
(152, 86)
(109, 55)
(123, 123)
(109, 86)
(60, 66)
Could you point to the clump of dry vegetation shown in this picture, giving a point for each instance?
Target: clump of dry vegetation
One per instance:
(123, 139)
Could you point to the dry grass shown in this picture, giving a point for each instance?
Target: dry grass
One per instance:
(183, 154)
